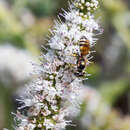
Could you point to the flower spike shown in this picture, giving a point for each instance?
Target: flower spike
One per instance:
(48, 98)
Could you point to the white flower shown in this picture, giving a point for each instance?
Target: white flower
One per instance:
(57, 43)
(11, 60)
(69, 51)
(73, 17)
(57, 87)
(48, 124)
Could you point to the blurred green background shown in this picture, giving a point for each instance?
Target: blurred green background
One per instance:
(24, 26)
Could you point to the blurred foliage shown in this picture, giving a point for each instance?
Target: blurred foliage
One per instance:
(115, 20)
(25, 24)
(112, 91)
(43, 8)
(10, 30)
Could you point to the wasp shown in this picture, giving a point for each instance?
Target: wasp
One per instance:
(82, 60)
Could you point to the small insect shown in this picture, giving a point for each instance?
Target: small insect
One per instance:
(81, 61)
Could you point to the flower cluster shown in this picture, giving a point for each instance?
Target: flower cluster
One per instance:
(47, 99)
(86, 7)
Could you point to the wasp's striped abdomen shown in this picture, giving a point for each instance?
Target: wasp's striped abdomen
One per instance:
(84, 47)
